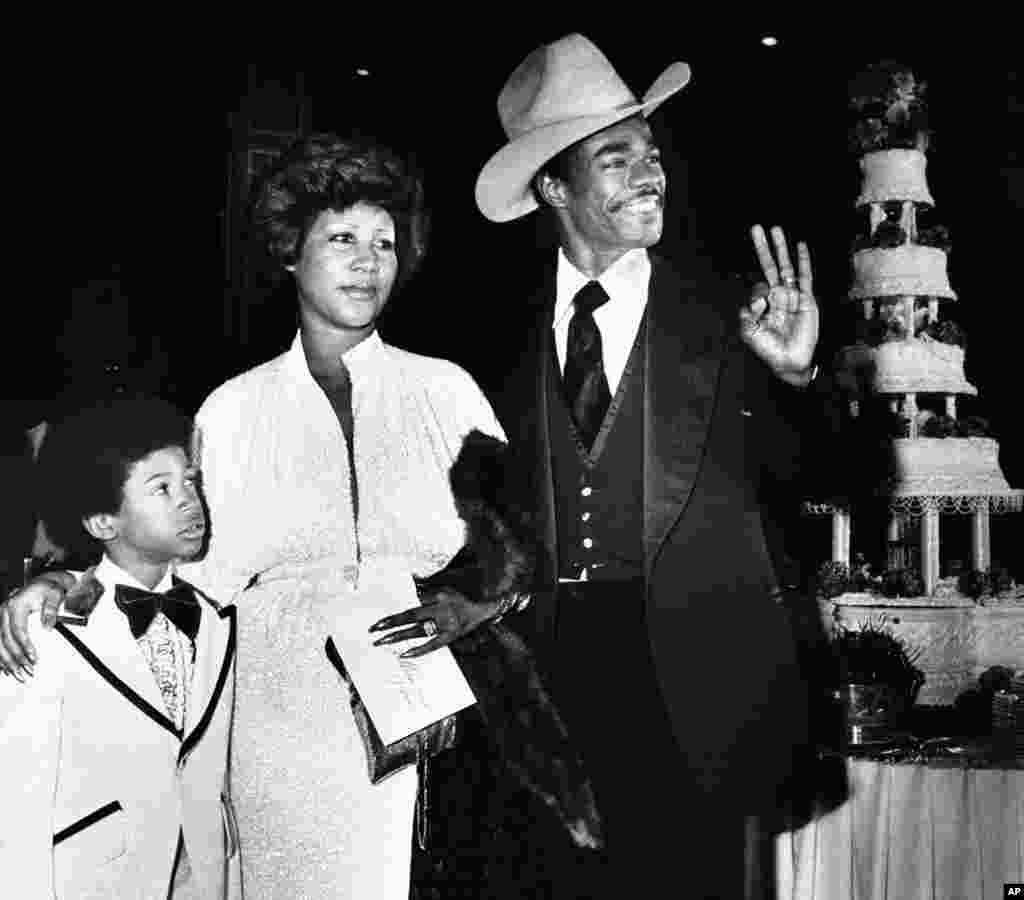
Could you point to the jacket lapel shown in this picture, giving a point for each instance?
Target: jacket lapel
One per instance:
(107, 645)
(215, 652)
(684, 362)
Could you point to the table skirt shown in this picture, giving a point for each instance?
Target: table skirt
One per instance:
(910, 832)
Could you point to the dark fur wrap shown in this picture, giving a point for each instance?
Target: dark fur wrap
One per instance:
(518, 713)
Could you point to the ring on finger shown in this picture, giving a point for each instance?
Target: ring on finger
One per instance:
(429, 627)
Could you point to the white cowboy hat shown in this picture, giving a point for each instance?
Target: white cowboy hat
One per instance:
(561, 93)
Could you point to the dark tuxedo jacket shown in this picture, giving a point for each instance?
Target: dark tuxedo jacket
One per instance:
(722, 645)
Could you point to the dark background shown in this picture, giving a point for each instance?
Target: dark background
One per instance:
(157, 146)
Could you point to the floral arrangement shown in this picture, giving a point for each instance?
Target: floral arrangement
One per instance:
(879, 329)
(833, 579)
(972, 426)
(895, 425)
(901, 583)
(889, 108)
(946, 331)
(977, 584)
(941, 426)
(974, 705)
(885, 327)
(871, 654)
(889, 233)
(935, 236)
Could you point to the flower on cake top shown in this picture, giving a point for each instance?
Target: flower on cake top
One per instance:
(889, 108)
(948, 332)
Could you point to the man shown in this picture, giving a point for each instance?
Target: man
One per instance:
(645, 422)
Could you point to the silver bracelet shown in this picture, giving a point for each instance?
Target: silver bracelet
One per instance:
(512, 602)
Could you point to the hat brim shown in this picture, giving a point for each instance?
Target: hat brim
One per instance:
(503, 190)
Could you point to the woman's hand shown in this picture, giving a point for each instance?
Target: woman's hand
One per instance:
(45, 592)
(781, 323)
(444, 616)
(43, 595)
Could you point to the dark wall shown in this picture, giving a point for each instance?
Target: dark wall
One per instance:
(758, 136)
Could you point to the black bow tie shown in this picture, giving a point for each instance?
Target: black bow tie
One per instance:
(178, 604)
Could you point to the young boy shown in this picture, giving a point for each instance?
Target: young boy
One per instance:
(122, 736)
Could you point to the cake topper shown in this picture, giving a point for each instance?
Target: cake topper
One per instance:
(888, 103)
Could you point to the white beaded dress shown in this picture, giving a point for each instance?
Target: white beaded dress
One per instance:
(276, 477)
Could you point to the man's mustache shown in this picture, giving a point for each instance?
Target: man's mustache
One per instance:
(640, 195)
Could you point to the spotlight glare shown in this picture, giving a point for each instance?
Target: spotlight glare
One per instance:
(769, 41)
(362, 73)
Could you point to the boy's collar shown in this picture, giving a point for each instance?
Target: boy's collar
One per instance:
(110, 574)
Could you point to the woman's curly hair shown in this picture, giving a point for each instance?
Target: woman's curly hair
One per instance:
(324, 171)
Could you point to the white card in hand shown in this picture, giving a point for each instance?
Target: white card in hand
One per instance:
(402, 696)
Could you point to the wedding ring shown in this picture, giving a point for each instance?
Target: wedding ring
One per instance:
(429, 627)
(789, 282)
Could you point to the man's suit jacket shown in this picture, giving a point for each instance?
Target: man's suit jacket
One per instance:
(722, 646)
(100, 783)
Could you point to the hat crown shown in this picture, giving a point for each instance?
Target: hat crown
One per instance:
(563, 80)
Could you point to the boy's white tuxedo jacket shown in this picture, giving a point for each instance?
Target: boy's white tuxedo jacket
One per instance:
(97, 782)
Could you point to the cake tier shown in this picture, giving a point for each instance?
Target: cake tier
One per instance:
(894, 175)
(910, 270)
(919, 366)
(949, 467)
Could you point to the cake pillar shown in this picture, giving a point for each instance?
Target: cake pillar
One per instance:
(980, 537)
(930, 549)
(908, 316)
(876, 216)
(908, 220)
(897, 556)
(869, 309)
(910, 414)
(841, 535)
(933, 310)
(951, 405)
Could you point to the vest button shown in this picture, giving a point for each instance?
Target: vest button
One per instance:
(588, 543)
(587, 491)
(585, 517)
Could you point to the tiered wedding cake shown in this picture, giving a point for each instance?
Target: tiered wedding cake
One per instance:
(909, 360)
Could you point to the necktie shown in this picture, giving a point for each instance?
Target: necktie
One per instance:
(178, 604)
(586, 385)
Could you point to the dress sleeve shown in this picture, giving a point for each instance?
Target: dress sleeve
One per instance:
(472, 409)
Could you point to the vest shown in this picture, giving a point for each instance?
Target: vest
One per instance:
(599, 495)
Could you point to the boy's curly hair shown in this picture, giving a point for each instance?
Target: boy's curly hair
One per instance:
(86, 458)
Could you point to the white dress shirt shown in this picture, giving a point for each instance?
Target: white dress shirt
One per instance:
(626, 282)
(168, 650)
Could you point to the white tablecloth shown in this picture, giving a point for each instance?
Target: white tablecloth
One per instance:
(910, 832)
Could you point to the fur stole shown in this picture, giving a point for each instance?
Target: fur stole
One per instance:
(498, 558)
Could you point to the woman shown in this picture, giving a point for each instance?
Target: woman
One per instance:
(346, 219)
(289, 533)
